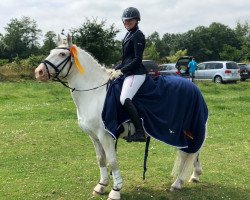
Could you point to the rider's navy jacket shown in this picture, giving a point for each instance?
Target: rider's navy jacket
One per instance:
(133, 47)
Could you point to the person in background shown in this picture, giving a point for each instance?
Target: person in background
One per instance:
(192, 66)
(132, 68)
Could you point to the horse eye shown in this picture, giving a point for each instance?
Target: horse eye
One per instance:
(62, 54)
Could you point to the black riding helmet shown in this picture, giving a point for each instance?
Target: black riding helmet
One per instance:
(131, 13)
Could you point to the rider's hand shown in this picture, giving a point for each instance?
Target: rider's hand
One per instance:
(114, 74)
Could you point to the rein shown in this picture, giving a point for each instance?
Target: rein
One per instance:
(64, 63)
(74, 89)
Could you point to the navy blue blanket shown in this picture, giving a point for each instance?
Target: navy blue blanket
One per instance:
(172, 108)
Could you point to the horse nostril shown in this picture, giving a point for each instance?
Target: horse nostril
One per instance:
(40, 72)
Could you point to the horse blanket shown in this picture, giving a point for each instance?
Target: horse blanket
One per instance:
(172, 110)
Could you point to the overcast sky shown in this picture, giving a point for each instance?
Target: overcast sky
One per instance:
(163, 16)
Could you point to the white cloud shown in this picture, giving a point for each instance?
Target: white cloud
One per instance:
(163, 16)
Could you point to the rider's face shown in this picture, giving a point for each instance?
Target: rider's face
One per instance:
(129, 23)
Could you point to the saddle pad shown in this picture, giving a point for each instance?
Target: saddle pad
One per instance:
(169, 106)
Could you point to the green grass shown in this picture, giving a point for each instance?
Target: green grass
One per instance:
(45, 155)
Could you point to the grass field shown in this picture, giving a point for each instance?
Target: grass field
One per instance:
(44, 154)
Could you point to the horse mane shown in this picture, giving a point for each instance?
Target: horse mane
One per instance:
(95, 61)
(91, 57)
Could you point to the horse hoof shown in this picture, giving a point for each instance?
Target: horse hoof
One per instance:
(94, 193)
(174, 189)
(194, 180)
(199, 172)
(177, 185)
(99, 190)
(114, 195)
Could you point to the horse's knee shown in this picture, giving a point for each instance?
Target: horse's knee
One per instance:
(82, 125)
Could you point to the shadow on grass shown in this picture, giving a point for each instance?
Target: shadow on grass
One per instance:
(201, 191)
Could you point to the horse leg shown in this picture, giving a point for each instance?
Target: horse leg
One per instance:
(177, 169)
(183, 166)
(101, 159)
(109, 148)
(197, 165)
(195, 178)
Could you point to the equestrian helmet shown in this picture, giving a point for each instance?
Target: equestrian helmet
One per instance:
(131, 13)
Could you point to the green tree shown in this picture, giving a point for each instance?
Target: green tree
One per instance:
(155, 39)
(3, 54)
(242, 32)
(169, 44)
(93, 37)
(150, 53)
(21, 38)
(219, 36)
(197, 43)
(204, 43)
(49, 42)
(245, 51)
(230, 53)
(177, 55)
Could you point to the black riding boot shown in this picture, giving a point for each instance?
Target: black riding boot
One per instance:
(139, 135)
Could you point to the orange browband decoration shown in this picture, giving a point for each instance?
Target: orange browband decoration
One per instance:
(73, 52)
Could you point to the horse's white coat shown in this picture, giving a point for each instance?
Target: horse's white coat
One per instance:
(89, 107)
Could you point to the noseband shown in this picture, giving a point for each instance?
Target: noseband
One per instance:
(58, 71)
(56, 67)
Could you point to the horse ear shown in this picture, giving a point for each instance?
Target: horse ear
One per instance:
(59, 40)
(69, 40)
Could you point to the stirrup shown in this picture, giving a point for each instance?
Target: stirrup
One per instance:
(137, 137)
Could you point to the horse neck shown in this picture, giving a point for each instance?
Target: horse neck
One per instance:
(93, 76)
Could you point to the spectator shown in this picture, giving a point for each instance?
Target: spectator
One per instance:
(192, 66)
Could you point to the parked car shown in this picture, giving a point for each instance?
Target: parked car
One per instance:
(152, 68)
(169, 69)
(182, 65)
(244, 71)
(218, 71)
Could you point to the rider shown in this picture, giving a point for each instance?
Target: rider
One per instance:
(132, 68)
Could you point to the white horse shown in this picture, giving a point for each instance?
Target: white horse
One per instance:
(89, 106)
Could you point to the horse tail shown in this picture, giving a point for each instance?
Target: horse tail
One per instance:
(184, 162)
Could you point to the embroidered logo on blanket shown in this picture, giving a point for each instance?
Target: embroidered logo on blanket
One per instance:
(170, 131)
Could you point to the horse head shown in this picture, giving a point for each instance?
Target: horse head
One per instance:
(58, 63)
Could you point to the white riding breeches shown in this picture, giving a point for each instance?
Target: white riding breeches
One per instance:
(130, 86)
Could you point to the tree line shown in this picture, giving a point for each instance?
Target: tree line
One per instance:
(216, 42)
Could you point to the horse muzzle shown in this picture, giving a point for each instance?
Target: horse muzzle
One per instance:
(41, 73)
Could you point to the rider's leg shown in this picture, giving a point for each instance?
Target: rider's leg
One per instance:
(133, 114)
(130, 87)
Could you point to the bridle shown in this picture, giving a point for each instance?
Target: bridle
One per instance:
(58, 71)
(56, 67)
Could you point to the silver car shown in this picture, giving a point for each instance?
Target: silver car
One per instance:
(218, 71)
(168, 69)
